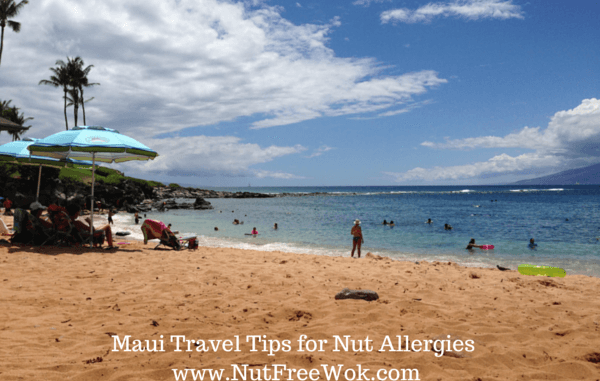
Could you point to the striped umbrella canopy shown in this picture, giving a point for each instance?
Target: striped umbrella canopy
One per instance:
(17, 151)
(92, 142)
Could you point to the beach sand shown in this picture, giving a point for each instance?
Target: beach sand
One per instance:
(61, 306)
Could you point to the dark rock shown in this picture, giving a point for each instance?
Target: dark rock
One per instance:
(201, 203)
(347, 293)
(131, 209)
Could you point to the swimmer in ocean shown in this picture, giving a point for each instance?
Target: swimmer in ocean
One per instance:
(471, 244)
(532, 245)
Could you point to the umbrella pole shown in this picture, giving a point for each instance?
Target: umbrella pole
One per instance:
(93, 180)
(37, 195)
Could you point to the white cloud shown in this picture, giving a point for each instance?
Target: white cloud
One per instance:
(366, 3)
(206, 156)
(468, 9)
(164, 66)
(261, 174)
(319, 151)
(572, 139)
(497, 164)
(351, 98)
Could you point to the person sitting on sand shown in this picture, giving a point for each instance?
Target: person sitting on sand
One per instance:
(429, 221)
(471, 244)
(254, 231)
(37, 209)
(532, 245)
(275, 226)
(384, 222)
(391, 223)
(357, 238)
(83, 228)
(447, 227)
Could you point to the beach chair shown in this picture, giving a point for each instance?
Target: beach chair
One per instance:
(153, 229)
(64, 231)
(4, 229)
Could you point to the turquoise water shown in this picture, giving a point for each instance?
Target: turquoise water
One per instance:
(505, 216)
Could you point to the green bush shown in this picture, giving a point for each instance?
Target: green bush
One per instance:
(103, 171)
(113, 179)
(173, 185)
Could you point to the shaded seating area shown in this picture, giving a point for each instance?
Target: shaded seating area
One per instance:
(59, 228)
(29, 230)
(153, 229)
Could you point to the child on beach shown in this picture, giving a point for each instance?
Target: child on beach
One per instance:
(110, 220)
(357, 237)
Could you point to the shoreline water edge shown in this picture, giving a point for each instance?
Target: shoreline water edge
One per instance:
(506, 217)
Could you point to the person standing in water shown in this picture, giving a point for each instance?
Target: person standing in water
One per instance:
(357, 238)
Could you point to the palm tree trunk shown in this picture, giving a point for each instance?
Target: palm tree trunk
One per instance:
(82, 104)
(1, 44)
(76, 111)
(66, 120)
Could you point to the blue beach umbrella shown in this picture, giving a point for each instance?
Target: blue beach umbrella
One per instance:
(94, 143)
(17, 152)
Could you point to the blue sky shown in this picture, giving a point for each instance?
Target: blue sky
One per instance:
(380, 92)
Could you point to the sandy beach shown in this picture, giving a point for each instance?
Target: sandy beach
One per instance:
(63, 307)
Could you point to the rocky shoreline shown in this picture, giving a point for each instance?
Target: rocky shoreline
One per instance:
(129, 195)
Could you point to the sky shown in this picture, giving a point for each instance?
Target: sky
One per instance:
(322, 93)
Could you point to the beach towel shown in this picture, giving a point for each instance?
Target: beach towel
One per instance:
(152, 229)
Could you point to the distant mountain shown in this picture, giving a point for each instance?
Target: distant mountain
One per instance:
(582, 176)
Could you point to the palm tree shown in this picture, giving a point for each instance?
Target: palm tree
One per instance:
(12, 114)
(72, 77)
(60, 79)
(8, 10)
(79, 80)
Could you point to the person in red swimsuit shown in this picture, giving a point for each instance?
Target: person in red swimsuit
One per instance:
(7, 207)
(357, 237)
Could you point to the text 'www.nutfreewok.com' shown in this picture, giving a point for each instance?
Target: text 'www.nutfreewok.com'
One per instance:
(280, 372)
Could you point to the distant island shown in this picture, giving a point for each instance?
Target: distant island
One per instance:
(582, 176)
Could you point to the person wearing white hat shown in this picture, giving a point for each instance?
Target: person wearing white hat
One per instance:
(37, 209)
(357, 238)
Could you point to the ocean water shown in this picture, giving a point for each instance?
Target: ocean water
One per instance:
(565, 222)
